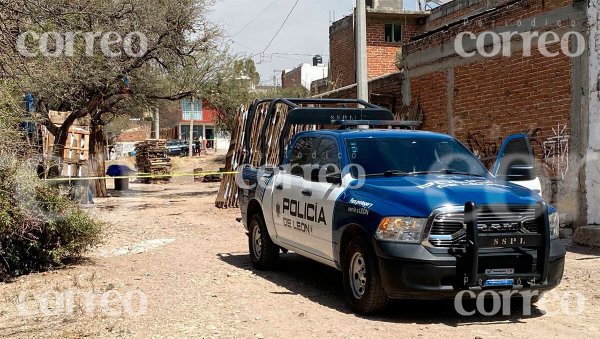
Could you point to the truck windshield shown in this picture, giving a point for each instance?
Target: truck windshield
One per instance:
(403, 156)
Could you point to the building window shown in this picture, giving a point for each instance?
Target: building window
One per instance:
(186, 109)
(393, 32)
(369, 3)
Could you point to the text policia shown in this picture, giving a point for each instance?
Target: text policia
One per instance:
(306, 211)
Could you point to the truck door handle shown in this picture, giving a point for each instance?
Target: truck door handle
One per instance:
(307, 193)
(279, 187)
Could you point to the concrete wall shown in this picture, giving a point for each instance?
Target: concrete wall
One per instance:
(592, 150)
(303, 75)
(483, 100)
(388, 5)
(122, 150)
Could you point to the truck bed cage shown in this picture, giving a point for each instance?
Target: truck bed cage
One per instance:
(345, 113)
(346, 124)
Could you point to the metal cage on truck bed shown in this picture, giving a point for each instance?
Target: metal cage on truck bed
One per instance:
(343, 113)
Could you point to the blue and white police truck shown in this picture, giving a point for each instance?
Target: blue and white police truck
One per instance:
(403, 214)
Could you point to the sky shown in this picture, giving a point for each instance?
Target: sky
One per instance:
(251, 24)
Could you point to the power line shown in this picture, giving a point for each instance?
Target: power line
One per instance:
(244, 46)
(298, 54)
(281, 27)
(254, 19)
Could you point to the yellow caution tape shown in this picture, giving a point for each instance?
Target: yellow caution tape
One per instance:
(142, 176)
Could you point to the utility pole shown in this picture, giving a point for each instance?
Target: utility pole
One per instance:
(362, 80)
(156, 123)
(191, 145)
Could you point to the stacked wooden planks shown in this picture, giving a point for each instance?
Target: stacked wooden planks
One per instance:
(76, 152)
(151, 158)
(228, 192)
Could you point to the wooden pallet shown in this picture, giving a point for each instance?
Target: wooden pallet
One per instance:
(151, 158)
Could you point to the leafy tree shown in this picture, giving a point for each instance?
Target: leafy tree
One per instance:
(288, 92)
(232, 90)
(246, 70)
(174, 52)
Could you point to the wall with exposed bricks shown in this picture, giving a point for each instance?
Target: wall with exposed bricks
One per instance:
(342, 52)
(385, 91)
(483, 100)
(292, 78)
(381, 55)
(429, 94)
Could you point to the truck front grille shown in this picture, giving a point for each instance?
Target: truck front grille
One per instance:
(448, 229)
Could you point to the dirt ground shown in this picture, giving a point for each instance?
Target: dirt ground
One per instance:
(173, 265)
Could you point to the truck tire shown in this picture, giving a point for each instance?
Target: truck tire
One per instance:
(263, 252)
(362, 282)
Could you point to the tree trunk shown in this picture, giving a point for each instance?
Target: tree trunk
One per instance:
(96, 163)
(60, 140)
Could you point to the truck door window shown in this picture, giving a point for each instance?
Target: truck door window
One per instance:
(328, 155)
(516, 152)
(301, 156)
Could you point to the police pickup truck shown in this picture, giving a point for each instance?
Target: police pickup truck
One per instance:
(402, 213)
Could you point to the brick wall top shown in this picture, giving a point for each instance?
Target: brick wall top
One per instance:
(459, 9)
(292, 78)
(342, 24)
(510, 14)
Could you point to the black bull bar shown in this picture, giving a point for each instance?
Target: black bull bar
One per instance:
(539, 241)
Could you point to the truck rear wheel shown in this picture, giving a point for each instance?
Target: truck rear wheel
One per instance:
(263, 252)
(362, 282)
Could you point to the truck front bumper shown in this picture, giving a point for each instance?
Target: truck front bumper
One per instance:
(413, 271)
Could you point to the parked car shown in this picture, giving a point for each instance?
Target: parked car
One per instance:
(177, 148)
(403, 214)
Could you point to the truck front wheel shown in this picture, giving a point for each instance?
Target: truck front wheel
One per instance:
(263, 252)
(362, 282)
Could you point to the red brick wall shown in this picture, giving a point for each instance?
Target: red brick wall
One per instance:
(521, 11)
(536, 93)
(430, 94)
(341, 53)
(498, 96)
(140, 133)
(292, 78)
(381, 55)
(385, 92)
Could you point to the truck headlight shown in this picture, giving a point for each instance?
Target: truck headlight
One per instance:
(401, 229)
(554, 225)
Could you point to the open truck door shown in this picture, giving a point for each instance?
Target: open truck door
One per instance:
(516, 163)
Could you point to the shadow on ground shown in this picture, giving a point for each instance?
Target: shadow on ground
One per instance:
(590, 252)
(323, 285)
(190, 194)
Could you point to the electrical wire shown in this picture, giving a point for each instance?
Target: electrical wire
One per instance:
(255, 18)
(281, 27)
